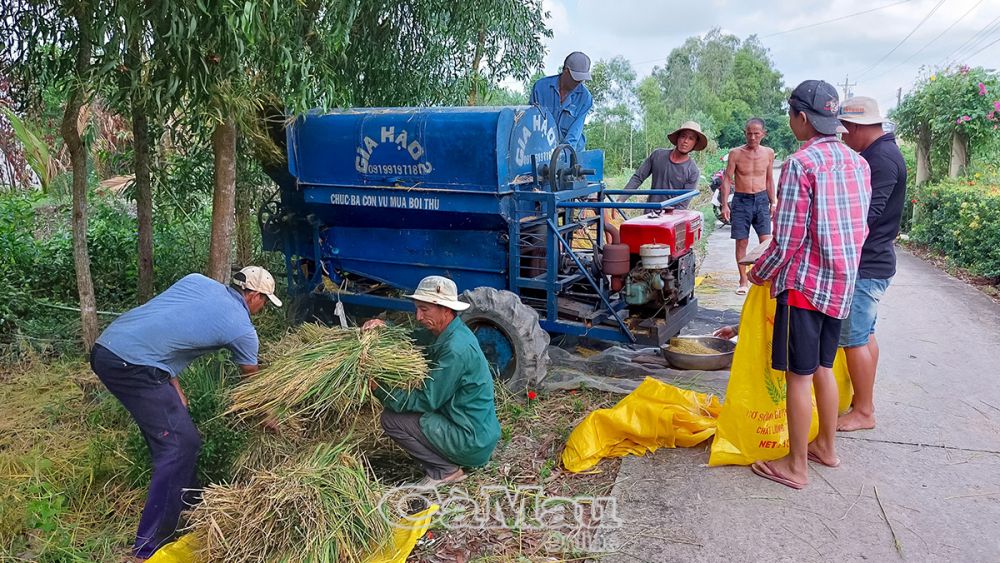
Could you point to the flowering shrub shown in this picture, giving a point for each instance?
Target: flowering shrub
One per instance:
(963, 100)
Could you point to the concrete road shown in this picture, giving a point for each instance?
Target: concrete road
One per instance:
(934, 458)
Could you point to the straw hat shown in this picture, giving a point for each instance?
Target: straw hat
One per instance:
(696, 129)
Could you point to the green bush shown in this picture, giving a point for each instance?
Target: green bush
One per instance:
(961, 219)
(36, 262)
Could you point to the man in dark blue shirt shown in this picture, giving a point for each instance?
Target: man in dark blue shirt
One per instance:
(567, 99)
(860, 116)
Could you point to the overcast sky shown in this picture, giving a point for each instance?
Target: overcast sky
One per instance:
(644, 32)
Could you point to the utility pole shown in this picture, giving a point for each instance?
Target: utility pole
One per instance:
(847, 88)
(899, 96)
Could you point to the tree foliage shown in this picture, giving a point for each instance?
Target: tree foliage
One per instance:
(717, 79)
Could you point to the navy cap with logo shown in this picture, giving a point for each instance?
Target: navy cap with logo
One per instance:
(820, 102)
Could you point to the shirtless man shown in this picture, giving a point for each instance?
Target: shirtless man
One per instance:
(754, 199)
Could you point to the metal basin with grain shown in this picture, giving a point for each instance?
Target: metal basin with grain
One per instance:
(705, 362)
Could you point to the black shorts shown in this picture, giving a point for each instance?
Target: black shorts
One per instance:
(803, 339)
(749, 210)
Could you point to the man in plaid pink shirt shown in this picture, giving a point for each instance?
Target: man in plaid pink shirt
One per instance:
(812, 263)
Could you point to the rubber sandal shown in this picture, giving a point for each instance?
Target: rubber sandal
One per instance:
(742, 290)
(815, 458)
(764, 470)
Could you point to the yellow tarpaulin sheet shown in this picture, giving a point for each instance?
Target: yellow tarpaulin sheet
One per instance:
(752, 424)
(404, 539)
(655, 415)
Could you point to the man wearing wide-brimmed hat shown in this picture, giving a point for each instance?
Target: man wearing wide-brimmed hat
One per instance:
(451, 421)
(672, 169)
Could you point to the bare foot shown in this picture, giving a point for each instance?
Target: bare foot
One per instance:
(825, 456)
(855, 421)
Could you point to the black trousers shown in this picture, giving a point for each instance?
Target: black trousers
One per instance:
(171, 435)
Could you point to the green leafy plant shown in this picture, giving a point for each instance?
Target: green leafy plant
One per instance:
(36, 152)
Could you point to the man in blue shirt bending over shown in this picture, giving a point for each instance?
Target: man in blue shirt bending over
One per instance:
(567, 99)
(139, 358)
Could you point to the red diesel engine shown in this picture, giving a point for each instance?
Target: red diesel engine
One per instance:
(661, 258)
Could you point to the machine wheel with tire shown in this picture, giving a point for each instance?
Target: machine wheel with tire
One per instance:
(508, 333)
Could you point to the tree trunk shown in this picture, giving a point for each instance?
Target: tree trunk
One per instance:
(923, 154)
(959, 154)
(244, 223)
(223, 201)
(143, 187)
(477, 59)
(70, 128)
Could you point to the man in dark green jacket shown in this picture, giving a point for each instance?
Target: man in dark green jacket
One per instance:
(451, 421)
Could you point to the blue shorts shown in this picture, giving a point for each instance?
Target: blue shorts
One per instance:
(860, 322)
(749, 210)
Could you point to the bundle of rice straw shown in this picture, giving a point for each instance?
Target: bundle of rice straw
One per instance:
(319, 507)
(319, 372)
(266, 449)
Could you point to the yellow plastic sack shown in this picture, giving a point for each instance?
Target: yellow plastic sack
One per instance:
(180, 551)
(405, 536)
(655, 415)
(404, 539)
(752, 423)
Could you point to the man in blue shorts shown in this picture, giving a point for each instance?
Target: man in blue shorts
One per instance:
(860, 116)
(139, 358)
(750, 167)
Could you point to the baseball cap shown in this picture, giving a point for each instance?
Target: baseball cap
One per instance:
(578, 65)
(820, 102)
(861, 110)
(255, 278)
(439, 290)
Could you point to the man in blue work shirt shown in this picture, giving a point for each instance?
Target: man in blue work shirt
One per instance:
(567, 99)
(139, 358)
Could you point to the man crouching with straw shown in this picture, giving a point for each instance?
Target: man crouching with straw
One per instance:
(451, 421)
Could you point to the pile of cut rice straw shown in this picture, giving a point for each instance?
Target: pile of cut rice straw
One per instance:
(320, 506)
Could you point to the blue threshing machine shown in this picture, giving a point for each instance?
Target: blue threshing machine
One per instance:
(376, 199)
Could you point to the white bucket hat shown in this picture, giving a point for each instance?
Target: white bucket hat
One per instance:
(255, 278)
(861, 110)
(439, 290)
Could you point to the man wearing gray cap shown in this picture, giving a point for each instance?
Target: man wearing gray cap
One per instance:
(567, 99)
(451, 421)
(860, 116)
